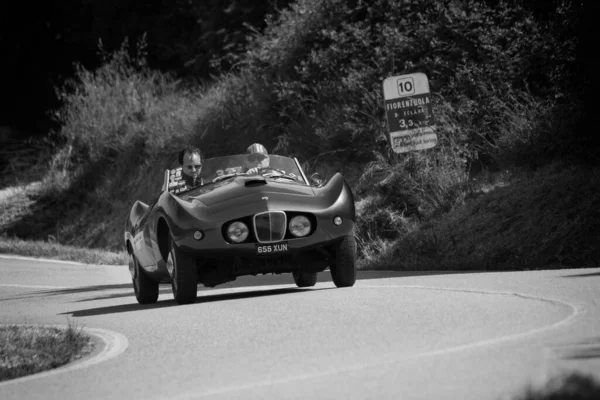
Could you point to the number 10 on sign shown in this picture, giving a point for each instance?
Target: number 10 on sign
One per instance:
(409, 112)
(406, 86)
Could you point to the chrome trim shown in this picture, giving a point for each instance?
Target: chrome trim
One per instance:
(285, 227)
(165, 185)
(301, 171)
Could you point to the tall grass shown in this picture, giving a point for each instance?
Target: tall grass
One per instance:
(546, 219)
(124, 105)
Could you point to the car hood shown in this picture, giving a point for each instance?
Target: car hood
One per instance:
(242, 186)
(237, 198)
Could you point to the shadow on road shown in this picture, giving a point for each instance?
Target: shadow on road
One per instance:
(99, 292)
(171, 303)
(253, 281)
(586, 349)
(163, 289)
(67, 291)
(593, 352)
(582, 275)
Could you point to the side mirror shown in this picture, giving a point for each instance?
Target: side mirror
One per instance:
(316, 180)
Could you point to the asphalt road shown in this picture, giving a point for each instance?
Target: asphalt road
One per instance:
(391, 336)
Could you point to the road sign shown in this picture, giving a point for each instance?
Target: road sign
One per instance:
(409, 112)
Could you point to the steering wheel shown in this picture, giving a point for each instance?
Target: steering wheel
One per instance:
(263, 169)
(223, 177)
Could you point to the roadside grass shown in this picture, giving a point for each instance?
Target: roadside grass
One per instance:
(16, 201)
(25, 350)
(544, 219)
(21, 161)
(57, 251)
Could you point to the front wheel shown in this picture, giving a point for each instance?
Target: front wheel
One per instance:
(305, 279)
(343, 266)
(144, 287)
(184, 276)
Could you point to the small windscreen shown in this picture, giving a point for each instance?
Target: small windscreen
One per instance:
(241, 163)
(215, 169)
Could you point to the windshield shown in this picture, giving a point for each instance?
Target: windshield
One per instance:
(273, 166)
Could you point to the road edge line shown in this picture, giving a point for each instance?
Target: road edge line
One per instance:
(10, 256)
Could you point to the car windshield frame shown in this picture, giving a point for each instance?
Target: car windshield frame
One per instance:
(280, 168)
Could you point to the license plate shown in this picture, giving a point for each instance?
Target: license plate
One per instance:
(273, 248)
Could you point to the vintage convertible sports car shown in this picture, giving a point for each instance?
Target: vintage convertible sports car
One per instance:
(234, 224)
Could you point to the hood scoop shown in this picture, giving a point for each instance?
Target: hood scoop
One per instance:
(255, 182)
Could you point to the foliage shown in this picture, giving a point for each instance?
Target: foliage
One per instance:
(546, 219)
(192, 39)
(504, 92)
(328, 78)
(110, 108)
(498, 77)
(123, 125)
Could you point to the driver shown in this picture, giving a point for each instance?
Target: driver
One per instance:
(190, 160)
(258, 158)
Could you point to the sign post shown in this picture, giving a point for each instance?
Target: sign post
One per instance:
(409, 112)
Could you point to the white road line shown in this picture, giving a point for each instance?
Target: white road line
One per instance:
(114, 344)
(48, 260)
(36, 286)
(572, 315)
(357, 367)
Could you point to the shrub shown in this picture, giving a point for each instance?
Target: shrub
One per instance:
(325, 61)
(121, 104)
(495, 72)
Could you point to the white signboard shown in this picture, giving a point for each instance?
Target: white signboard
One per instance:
(409, 112)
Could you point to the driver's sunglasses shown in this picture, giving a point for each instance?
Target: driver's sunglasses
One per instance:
(197, 166)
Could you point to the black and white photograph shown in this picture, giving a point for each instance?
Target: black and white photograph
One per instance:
(299, 199)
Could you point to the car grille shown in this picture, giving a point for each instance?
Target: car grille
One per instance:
(270, 226)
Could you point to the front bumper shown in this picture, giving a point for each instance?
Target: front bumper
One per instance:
(213, 244)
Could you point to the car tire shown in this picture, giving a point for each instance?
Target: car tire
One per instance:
(343, 266)
(304, 279)
(184, 278)
(144, 287)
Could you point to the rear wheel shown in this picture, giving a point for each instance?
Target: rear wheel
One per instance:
(144, 287)
(184, 275)
(305, 279)
(343, 266)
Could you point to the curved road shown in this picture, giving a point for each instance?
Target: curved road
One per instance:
(393, 335)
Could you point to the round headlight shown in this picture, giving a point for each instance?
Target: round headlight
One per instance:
(299, 226)
(198, 235)
(337, 220)
(237, 231)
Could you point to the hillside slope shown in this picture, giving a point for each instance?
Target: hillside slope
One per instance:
(502, 80)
